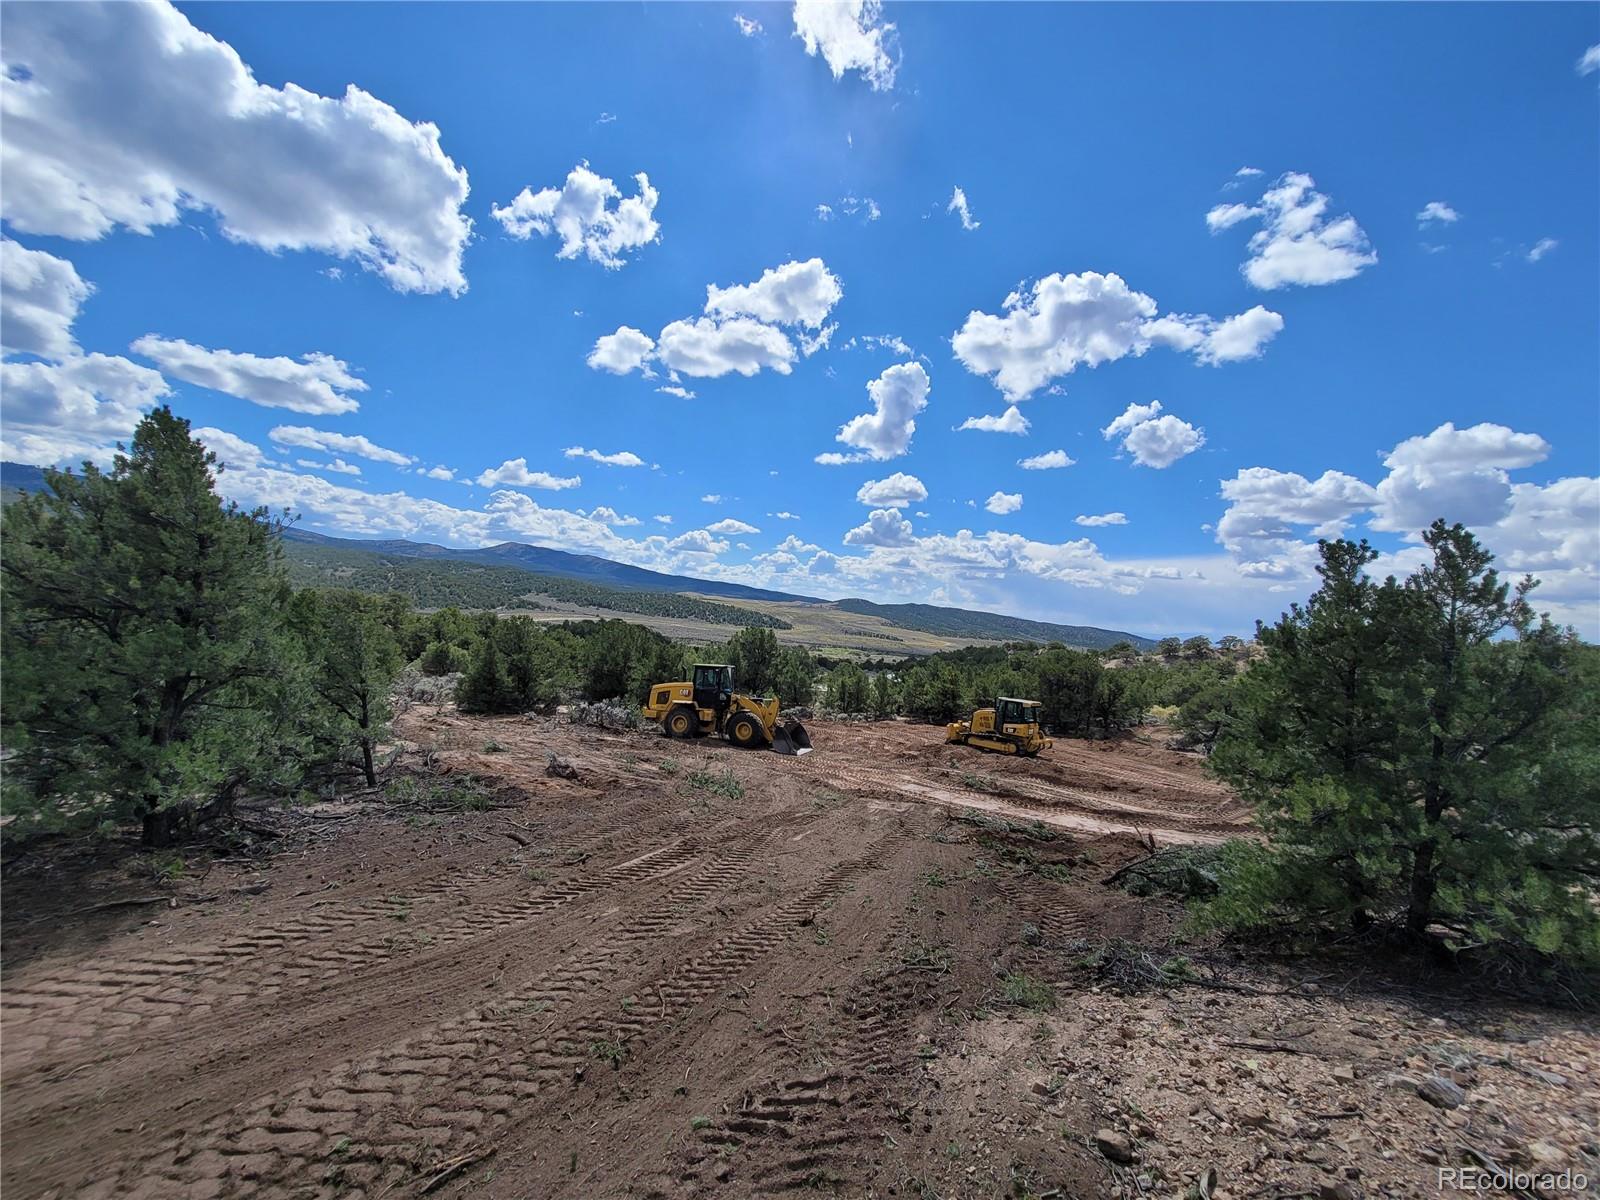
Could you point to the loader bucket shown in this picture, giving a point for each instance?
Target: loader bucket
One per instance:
(791, 739)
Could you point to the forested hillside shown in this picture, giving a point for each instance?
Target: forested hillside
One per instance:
(437, 583)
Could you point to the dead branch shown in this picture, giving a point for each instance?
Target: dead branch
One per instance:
(449, 1170)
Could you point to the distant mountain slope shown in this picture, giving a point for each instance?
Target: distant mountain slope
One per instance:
(436, 583)
(20, 477)
(560, 563)
(961, 622)
(382, 565)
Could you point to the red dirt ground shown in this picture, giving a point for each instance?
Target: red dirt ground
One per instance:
(645, 982)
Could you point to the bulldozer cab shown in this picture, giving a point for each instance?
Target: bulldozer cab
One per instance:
(713, 685)
(1015, 712)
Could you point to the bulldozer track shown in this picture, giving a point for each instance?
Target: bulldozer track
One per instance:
(811, 1129)
(104, 1005)
(397, 1109)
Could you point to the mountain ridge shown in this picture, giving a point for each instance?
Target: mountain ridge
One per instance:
(593, 569)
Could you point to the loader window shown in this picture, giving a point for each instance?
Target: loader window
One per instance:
(1009, 712)
(712, 686)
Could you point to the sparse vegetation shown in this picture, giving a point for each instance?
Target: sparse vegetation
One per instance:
(1024, 991)
(452, 793)
(722, 783)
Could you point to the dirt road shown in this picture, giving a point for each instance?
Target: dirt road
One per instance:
(689, 971)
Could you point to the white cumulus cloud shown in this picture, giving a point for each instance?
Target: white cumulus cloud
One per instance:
(1050, 460)
(850, 35)
(1066, 321)
(748, 26)
(589, 214)
(125, 115)
(306, 438)
(1001, 503)
(1298, 243)
(732, 525)
(697, 541)
(514, 472)
(1010, 421)
(708, 349)
(1268, 512)
(740, 333)
(622, 458)
(1233, 339)
(230, 449)
(1542, 247)
(1459, 474)
(883, 527)
(898, 394)
(1437, 210)
(1098, 519)
(77, 408)
(1551, 530)
(1589, 61)
(796, 293)
(315, 383)
(1154, 441)
(40, 295)
(625, 350)
(897, 491)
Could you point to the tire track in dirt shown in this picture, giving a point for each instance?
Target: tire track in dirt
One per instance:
(1188, 819)
(818, 1129)
(469, 1077)
(57, 1013)
(268, 1136)
(1112, 807)
(109, 1003)
(1052, 910)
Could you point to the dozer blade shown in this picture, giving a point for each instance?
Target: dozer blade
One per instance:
(791, 739)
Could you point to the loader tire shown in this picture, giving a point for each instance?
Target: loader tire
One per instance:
(681, 722)
(744, 731)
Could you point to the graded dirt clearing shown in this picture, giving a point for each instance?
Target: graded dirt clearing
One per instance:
(877, 970)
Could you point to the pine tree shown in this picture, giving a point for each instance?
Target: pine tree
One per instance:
(484, 687)
(883, 699)
(148, 671)
(753, 652)
(794, 676)
(353, 658)
(1423, 757)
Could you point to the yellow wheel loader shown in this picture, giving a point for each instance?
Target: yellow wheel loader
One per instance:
(708, 706)
(1010, 727)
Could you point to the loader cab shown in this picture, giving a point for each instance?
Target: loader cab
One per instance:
(713, 685)
(1015, 712)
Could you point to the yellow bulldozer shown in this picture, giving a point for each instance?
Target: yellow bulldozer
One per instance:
(708, 706)
(1010, 727)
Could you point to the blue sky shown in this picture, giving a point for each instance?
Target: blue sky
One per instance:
(198, 212)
